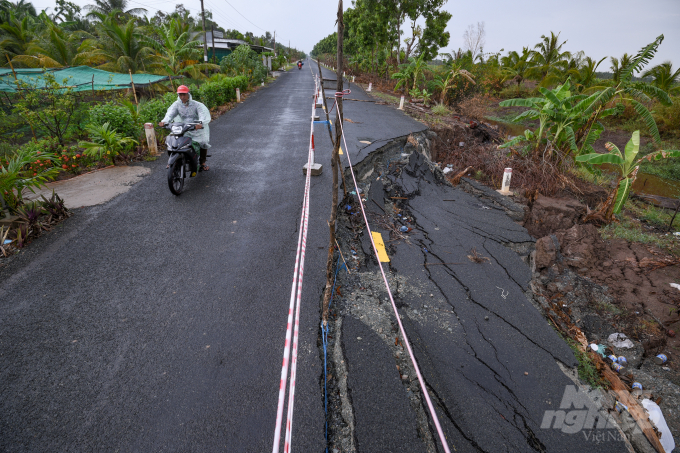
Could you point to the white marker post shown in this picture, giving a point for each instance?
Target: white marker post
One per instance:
(505, 187)
(401, 103)
(370, 86)
(151, 139)
(238, 95)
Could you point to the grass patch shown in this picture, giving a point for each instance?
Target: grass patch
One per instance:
(633, 231)
(606, 306)
(587, 371)
(386, 97)
(440, 109)
(653, 215)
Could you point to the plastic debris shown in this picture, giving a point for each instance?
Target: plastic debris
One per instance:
(620, 340)
(7, 241)
(461, 144)
(447, 170)
(677, 233)
(404, 229)
(599, 348)
(675, 285)
(656, 417)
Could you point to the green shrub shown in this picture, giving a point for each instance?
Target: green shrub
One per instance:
(154, 110)
(243, 61)
(118, 116)
(214, 94)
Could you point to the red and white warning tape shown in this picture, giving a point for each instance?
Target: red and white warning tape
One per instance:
(295, 301)
(435, 419)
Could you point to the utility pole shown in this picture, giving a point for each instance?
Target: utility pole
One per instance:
(205, 38)
(274, 41)
(212, 35)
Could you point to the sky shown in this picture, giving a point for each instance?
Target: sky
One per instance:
(598, 27)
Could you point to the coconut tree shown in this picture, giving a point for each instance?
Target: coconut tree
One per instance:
(17, 35)
(21, 9)
(175, 47)
(516, 67)
(548, 58)
(107, 7)
(663, 77)
(618, 65)
(53, 48)
(585, 75)
(118, 47)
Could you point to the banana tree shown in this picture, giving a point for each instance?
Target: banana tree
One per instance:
(628, 169)
(566, 122)
(444, 83)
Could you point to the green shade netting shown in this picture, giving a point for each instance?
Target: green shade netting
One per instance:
(79, 77)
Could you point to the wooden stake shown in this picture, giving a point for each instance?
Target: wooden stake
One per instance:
(133, 86)
(335, 170)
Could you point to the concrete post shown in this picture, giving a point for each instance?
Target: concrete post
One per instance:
(269, 62)
(264, 60)
(505, 187)
(370, 86)
(401, 103)
(238, 95)
(151, 139)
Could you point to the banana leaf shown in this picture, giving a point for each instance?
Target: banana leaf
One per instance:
(596, 159)
(632, 149)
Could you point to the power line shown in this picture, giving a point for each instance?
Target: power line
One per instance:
(244, 16)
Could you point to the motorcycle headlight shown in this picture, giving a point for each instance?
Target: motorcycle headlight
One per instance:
(176, 129)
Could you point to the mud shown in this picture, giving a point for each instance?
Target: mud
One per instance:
(617, 286)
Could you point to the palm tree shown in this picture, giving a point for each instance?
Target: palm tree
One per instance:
(664, 77)
(516, 67)
(54, 48)
(20, 9)
(117, 48)
(585, 75)
(548, 58)
(107, 7)
(17, 35)
(175, 48)
(618, 65)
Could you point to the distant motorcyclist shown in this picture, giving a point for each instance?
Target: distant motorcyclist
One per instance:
(190, 111)
(299, 64)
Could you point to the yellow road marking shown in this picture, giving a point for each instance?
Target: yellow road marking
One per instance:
(380, 246)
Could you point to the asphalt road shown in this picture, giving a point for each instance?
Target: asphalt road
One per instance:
(157, 323)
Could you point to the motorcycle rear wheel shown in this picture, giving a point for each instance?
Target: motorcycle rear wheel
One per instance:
(175, 179)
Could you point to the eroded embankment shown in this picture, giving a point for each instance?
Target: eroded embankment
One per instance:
(460, 277)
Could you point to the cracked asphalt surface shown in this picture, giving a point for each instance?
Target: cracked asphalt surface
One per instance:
(489, 358)
(156, 323)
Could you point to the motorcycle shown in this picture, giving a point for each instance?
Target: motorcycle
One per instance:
(183, 158)
(299, 66)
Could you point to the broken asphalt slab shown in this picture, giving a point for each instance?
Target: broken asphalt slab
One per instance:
(490, 360)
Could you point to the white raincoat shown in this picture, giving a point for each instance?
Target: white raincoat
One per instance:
(191, 112)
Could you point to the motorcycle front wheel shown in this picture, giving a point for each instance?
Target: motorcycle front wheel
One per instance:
(175, 177)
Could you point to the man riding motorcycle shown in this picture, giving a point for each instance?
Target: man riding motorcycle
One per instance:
(186, 110)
